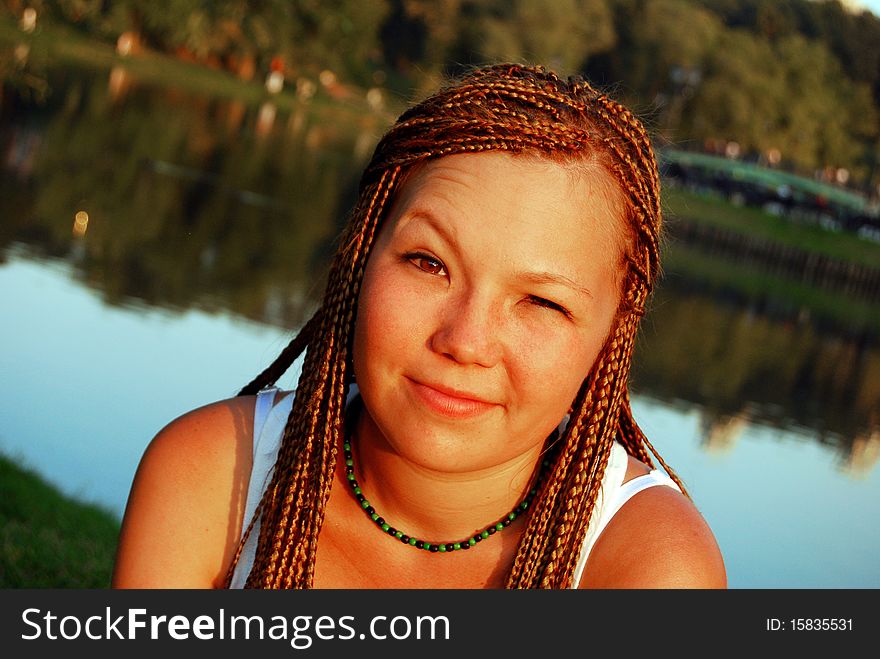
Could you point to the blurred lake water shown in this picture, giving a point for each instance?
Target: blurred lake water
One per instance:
(158, 248)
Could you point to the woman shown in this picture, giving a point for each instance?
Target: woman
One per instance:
(462, 420)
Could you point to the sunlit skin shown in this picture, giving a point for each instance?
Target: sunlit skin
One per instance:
(487, 297)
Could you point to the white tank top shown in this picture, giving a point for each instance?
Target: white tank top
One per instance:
(269, 422)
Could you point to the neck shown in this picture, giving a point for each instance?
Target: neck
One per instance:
(431, 504)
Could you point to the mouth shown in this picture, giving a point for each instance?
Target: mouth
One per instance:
(448, 402)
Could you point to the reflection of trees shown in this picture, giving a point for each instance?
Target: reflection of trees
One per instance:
(865, 452)
(720, 432)
(188, 203)
(724, 356)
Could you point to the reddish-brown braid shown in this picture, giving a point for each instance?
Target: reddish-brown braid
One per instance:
(521, 110)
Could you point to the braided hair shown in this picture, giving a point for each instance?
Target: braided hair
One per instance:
(520, 110)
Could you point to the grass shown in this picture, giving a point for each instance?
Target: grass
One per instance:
(719, 274)
(48, 540)
(755, 222)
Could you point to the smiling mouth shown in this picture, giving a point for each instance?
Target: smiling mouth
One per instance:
(449, 402)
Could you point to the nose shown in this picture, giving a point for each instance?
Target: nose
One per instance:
(467, 331)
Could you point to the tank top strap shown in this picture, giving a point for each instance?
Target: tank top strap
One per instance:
(632, 487)
(269, 422)
(265, 400)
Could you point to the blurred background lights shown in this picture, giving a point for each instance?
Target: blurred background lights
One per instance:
(275, 82)
(125, 43)
(29, 19)
(80, 223)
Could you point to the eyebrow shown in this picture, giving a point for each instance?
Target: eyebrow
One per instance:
(430, 221)
(539, 277)
(554, 278)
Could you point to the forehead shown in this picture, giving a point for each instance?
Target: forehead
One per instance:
(523, 195)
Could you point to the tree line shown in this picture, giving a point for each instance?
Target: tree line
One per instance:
(792, 82)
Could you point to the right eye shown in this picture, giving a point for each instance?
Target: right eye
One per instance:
(549, 304)
(427, 263)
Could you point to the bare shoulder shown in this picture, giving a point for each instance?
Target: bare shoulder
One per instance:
(184, 512)
(658, 539)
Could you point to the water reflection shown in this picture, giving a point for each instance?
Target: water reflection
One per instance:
(743, 363)
(191, 201)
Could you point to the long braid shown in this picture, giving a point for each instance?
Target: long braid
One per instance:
(284, 360)
(584, 477)
(504, 107)
(292, 508)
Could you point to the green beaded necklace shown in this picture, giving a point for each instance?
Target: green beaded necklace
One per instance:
(440, 547)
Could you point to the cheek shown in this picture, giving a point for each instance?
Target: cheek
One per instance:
(555, 370)
(386, 321)
(552, 366)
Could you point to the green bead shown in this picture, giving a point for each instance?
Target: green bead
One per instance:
(413, 541)
(357, 490)
(398, 535)
(374, 516)
(485, 534)
(346, 446)
(457, 545)
(499, 526)
(385, 527)
(365, 504)
(350, 477)
(511, 516)
(442, 548)
(349, 463)
(472, 542)
(427, 546)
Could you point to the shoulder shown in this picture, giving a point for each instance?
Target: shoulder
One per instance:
(183, 518)
(205, 437)
(658, 539)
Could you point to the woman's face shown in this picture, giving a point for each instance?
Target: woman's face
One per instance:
(487, 297)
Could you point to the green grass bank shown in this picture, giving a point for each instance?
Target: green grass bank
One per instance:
(682, 205)
(48, 540)
(55, 44)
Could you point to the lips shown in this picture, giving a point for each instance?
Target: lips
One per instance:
(450, 402)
